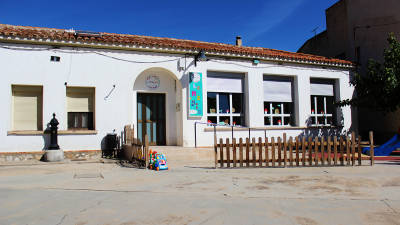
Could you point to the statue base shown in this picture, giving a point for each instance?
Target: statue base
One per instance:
(54, 155)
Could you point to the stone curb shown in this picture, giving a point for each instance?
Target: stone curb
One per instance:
(66, 161)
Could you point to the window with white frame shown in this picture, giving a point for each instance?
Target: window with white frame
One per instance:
(225, 98)
(322, 102)
(278, 101)
(27, 107)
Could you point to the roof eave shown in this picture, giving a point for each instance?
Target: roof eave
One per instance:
(162, 49)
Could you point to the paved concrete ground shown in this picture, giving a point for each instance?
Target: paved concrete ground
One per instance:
(96, 193)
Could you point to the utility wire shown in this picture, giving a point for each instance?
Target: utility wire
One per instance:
(169, 60)
(87, 52)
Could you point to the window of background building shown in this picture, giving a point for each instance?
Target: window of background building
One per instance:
(225, 98)
(278, 101)
(322, 102)
(27, 107)
(80, 108)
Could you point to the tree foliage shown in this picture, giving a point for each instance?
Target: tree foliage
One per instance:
(379, 88)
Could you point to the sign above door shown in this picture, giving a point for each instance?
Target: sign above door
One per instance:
(152, 82)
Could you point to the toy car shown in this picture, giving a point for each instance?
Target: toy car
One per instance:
(160, 162)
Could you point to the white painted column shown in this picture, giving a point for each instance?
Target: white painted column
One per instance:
(343, 91)
(254, 102)
(302, 99)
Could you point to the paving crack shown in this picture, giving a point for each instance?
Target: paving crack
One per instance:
(62, 219)
(389, 206)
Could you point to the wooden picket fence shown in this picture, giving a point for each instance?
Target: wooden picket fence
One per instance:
(278, 152)
(133, 149)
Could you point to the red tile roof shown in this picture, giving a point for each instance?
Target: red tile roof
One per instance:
(110, 38)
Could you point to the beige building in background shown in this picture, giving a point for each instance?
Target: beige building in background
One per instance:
(357, 30)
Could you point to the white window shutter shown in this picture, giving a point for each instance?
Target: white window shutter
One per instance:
(27, 108)
(277, 90)
(224, 82)
(79, 99)
(322, 88)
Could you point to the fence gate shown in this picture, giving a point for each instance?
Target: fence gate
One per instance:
(133, 149)
(278, 152)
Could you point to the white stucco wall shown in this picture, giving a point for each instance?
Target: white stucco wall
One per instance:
(83, 67)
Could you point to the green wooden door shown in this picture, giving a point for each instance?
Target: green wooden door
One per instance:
(151, 117)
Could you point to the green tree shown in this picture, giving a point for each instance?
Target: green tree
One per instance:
(379, 89)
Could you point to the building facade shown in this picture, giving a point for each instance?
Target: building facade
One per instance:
(357, 30)
(96, 83)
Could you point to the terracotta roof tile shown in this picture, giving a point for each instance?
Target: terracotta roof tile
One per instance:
(111, 38)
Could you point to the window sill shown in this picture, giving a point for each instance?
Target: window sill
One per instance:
(40, 132)
(77, 132)
(25, 132)
(225, 128)
(210, 129)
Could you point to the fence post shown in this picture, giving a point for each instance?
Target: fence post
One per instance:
(253, 151)
(348, 151)
(284, 150)
(221, 152)
(335, 159)
(290, 151)
(132, 132)
(146, 150)
(241, 151)
(353, 149)
(215, 149)
(303, 151)
(127, 134)
(323, 151)
(316, 151)
(247, 152)
(297, 151)
(359, 150)
(228, 153)
(279, 151)
(310, 159)
(234, 151)
(266, 152)
(273, 151)
(341, 151)
(371, 144)
(329, 152)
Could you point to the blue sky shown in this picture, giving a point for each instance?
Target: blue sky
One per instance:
(278, 24)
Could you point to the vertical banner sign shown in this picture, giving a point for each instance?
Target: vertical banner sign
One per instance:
(195, 94)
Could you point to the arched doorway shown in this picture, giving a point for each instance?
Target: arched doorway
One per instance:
(157, 107)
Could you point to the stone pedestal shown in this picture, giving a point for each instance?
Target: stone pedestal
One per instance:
(54, 155)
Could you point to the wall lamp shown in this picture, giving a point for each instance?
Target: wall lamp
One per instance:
(201, 57)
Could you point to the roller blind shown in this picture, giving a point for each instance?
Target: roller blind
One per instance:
(322, 88)
(224, 82)
(27, 108)
(277, 90)
(80, 99)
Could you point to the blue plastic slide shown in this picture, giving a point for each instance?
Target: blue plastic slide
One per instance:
(385, 149)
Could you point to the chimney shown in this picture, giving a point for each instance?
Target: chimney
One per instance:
(238, 41)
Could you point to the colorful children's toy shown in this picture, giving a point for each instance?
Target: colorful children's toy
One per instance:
(158, 161)
(161, 162)
(151, 158)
